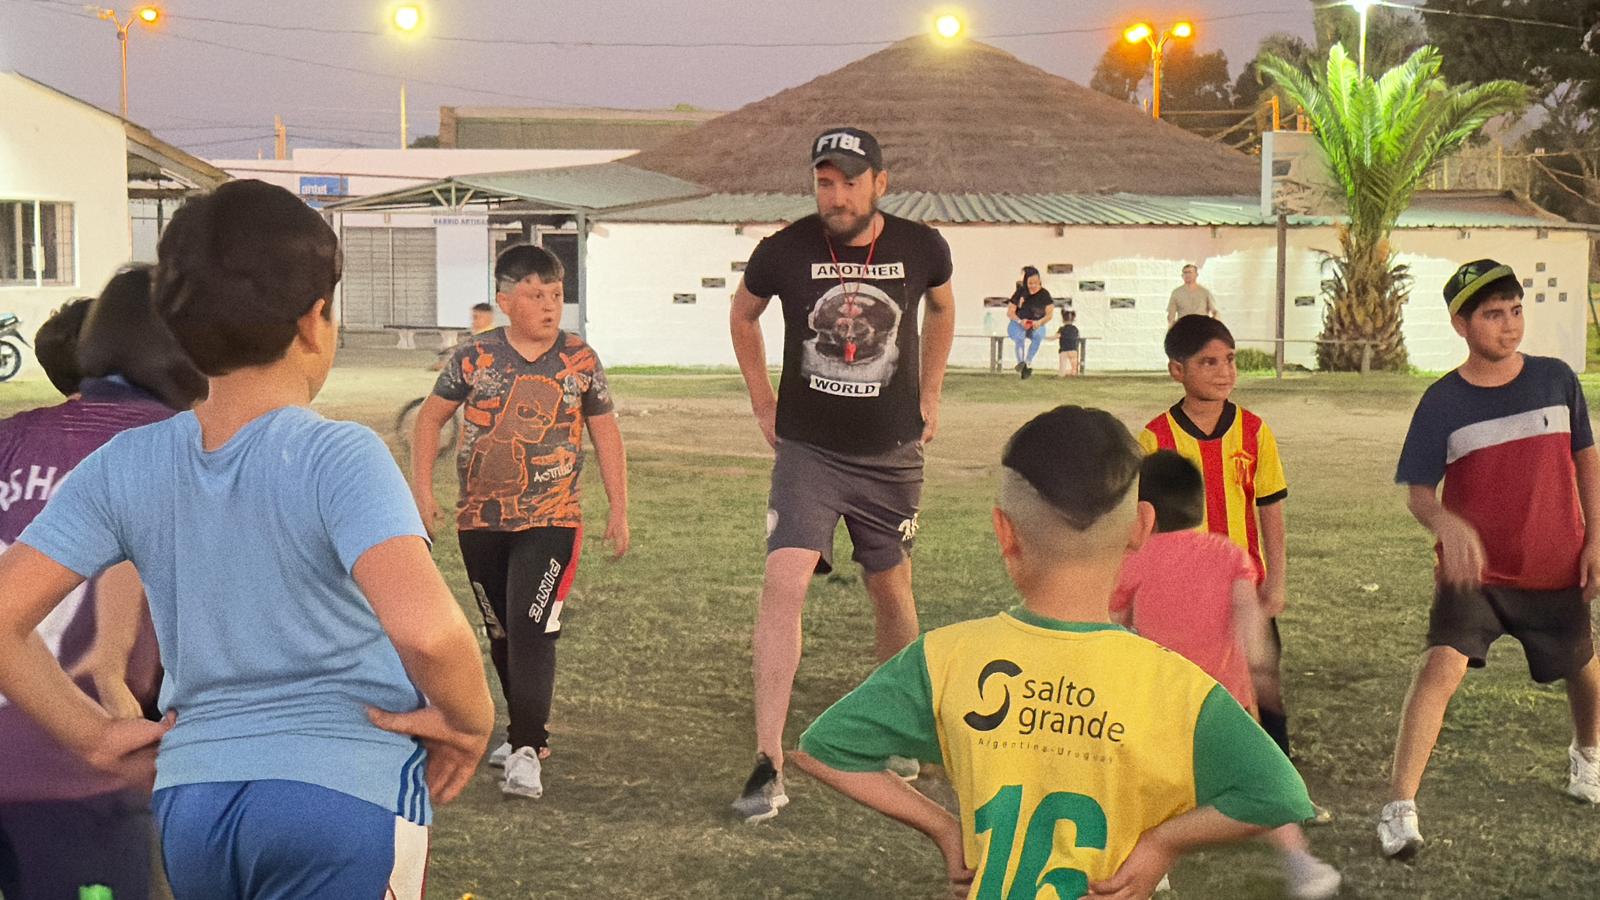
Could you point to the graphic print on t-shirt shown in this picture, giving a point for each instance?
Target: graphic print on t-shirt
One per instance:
(521, 449)
(855, 349)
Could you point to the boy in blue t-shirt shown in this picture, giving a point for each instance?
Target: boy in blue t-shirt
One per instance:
(321, 682)
(1509, 436)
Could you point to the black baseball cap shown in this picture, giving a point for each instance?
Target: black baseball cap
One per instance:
(1082, 461)
(1479, 277)
(854, 151)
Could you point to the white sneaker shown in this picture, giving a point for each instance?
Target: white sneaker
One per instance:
(1583, 775)
(1309, 878)
(1165, 885)
(1397, 830)
(522, 774)
(498, 757)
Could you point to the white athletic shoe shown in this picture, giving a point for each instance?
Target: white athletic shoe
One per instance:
(522, 774)
(904, 766)
(1164, 886)
(1397, 830)
(497, 758)
(1309, 878)
(1583, 775)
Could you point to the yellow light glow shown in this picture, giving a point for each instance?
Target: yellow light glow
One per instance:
(1361, 6)
(407, 17)
(1137, 33)
(1182, 30)
(948, 26)
(148, 14)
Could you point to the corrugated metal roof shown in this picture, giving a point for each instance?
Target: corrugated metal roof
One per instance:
(569, 188)
(1466, 210)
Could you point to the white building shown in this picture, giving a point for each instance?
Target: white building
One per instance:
(71, 175)
(422, 267)
(1015, 167)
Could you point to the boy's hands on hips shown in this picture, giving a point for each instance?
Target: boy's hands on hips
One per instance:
(453, 750)
(1140, 873)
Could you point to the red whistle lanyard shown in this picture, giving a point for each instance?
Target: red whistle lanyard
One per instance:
(850, 295)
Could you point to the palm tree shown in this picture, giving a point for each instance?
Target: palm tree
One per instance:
(1380, 138)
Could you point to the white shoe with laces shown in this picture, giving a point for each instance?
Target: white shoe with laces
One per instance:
(1397, 830)
(1309, 878)
(1583, 774)
(523, 774)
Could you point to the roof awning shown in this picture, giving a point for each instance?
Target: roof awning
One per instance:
(570, 190)
(168, 170)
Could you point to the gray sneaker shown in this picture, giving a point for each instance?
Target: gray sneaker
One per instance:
(763, 793)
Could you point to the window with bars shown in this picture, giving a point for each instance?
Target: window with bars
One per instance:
(36, 243)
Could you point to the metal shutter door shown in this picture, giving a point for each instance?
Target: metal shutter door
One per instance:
(366, 277)
(416, 276)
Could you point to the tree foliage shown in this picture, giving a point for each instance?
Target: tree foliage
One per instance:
(1380, 137)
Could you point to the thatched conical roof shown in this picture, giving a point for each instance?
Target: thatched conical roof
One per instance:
(969, 118)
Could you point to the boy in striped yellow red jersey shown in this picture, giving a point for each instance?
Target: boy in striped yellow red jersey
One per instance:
(1049, 715)
(1238, 457)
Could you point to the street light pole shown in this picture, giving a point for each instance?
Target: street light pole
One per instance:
(406, 19)
(145, 15)
(1157, 43)
(1361, 7)
(122, 44)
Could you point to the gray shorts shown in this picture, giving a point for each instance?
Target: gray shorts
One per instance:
(877, 496)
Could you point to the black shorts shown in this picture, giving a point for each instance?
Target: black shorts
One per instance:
(877, 496)
(1553, 626)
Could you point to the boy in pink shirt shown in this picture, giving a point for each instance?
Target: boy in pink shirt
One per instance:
(1194, 593)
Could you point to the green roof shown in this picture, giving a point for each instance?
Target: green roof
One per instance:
(574, 189)
(1465, 209)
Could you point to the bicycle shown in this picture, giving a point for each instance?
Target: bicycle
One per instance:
(10, 352)
(405, 425)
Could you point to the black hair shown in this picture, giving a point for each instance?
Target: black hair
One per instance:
(1504, 288)
(482, 307)
(524, 260)
(124, 336)
(1171, 483)
(55, 345)
(238, 269)
(1081, 461)
(1029, 272)
(1190, 334)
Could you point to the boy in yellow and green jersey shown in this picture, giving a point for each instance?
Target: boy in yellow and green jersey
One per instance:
(1048, 714)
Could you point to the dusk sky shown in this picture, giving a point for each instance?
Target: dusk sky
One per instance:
(194, 82)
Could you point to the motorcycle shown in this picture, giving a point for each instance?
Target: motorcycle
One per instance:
(10, 352)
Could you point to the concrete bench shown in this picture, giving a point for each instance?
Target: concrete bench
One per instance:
(448, 337)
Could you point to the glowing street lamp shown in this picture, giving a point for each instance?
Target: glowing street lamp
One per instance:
(1158, 42)
(1361, 7)
(406, 20)
(147, 16)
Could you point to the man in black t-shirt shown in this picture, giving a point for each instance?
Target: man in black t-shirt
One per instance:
(857, 400)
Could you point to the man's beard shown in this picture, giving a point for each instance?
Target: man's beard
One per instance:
(852, 229)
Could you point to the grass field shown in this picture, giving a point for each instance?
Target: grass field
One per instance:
(652, 726)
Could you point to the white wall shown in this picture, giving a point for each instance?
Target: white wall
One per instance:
(56, 149)
(634, 269)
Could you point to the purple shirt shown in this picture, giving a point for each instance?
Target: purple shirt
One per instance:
(37, 450)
